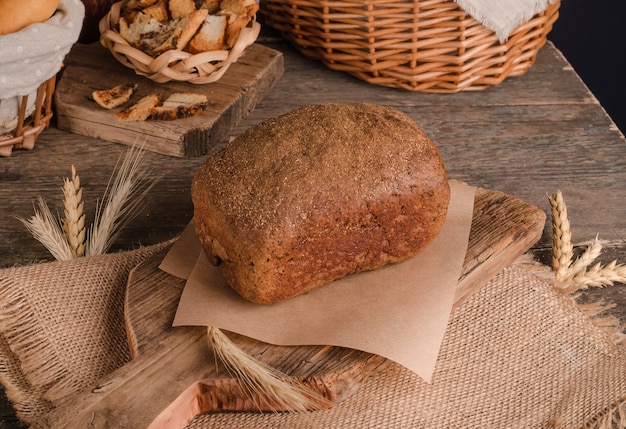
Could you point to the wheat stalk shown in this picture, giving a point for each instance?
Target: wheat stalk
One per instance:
(600, 276)
(267, 382)
(577, 272)
(562, 248)
(74, 220)
(46, 229)
(123, 196)
(590, 254)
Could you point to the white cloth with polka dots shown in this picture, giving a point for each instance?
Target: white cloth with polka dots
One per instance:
(34, 54)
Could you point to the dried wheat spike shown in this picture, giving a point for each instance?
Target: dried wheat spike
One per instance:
(74, 220)
(562, 248)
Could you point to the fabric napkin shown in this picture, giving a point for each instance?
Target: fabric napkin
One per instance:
(35, 53)
(502, 16)
(399, 312)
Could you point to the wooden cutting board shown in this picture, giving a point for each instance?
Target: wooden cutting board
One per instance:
(91, 67)
(169, 361)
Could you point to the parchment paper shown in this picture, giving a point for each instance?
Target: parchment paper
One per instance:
(399, 312)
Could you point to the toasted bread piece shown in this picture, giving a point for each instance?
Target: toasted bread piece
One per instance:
(182, 8)
(114, 97)
(158, 11)
(128, 15)
(233, 27)
(211, 35)
(211, 5)
(137, 4)
(153, 37)
(184, 30)
(180, 105)
(240, 7)
(141, 110)
(145, 32)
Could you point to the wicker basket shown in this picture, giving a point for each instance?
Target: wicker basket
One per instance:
(428, 46)
(29, 126)
(173, 65)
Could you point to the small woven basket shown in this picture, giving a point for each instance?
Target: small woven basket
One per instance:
(29, 126)
(428, 46)
(176, 65)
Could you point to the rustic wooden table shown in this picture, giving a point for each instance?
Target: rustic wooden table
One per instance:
(529, 137)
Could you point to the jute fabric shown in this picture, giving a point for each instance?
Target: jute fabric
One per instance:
(518, 354)
(62, 327)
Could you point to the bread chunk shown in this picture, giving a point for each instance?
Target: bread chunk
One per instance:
(321, 192)
(114, 97)
(158, 11)
(211, 35)
(180, 105)
(240, 7)
(137, 4)
(140, 111)
(154, 37)
(182, 8)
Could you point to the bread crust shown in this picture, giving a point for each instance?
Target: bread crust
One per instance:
(114, 97)
(321, 192)
(140, 111)
(180, 105)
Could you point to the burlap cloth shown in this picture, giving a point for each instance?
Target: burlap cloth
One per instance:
(62, 327)
(518, 354)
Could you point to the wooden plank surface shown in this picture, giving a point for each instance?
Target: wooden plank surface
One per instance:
(528, 137)
(167, 360)
(91, 67)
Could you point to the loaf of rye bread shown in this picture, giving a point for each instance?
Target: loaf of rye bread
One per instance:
(321, 192)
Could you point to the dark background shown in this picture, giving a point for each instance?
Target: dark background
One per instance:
(592, 36)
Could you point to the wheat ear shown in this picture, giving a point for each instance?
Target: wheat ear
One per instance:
(584, 260)
(577, 272)
(562, 248)
(258, 378)
(124, 194)
(46, 229)
(74, 220)
(600, 276)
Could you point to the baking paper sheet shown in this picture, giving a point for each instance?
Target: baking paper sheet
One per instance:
(399, 311)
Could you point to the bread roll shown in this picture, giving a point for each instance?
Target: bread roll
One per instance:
(17, 14)
(321, 192)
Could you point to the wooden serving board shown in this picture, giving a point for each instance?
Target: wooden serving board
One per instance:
(91, 67)
(169, 361)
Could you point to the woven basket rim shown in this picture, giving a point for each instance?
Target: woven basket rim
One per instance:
(174, 65)
(417, 45)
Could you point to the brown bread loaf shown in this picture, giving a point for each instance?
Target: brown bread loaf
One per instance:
(321, 192)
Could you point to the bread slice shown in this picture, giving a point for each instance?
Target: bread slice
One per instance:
(239, 13)
(158, 11)
(211, 5)
(114, 97)
(145, 32)
(180, 105)
(181, 8)
(141, 110)
(211, 35)
(240, 7)
(153, 37)
(183, 31)
(137, 4)
(233, 28)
